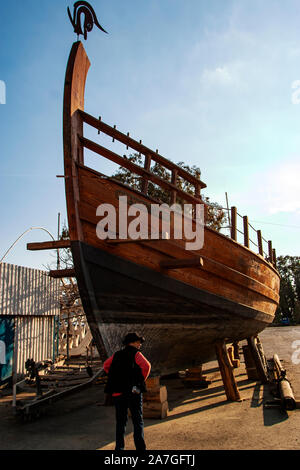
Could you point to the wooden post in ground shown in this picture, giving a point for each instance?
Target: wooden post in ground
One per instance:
(226, 369)
(261, 371)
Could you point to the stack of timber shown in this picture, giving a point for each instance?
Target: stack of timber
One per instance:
(155, 399)
(193, 377)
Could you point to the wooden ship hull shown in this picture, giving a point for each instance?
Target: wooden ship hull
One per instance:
(182, 301)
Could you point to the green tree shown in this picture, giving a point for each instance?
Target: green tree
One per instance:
(289, 304)
(216, 216)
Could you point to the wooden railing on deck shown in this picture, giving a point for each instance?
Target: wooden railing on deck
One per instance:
(270, 255)
(150, 155)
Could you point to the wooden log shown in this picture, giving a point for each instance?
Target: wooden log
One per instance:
(153, 382)
(182, 263)
(226, 369)
(286, 394)
(154, 395)
(281, 372)
(155, 410)
(48, 245)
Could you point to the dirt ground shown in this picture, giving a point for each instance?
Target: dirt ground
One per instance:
(197, 419)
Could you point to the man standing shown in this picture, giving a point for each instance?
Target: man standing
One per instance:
(127, 371)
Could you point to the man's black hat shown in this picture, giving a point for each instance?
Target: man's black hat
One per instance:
(132, 337)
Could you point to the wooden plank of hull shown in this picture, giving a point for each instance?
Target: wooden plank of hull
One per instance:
(181, 323)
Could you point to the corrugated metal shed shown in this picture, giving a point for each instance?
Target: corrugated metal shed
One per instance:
(26, 291)
(31, 297)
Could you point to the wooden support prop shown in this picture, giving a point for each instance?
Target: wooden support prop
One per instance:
(235, 362)
(246, 231)
(226, 369)
(60, 273)
(236, 350)
(195, 378)
(261, 371)
(259, 242)
(196, 262)
(233, 223)
(250, 364)
(49, 245)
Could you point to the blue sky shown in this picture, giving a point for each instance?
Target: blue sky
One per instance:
(206, 82)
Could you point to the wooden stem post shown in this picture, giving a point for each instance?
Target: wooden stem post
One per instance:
(226, 369)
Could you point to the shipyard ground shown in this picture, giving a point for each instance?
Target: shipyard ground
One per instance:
(197, 420)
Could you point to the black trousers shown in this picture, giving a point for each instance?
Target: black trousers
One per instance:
(133, 402)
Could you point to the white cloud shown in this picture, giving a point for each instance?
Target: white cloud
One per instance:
(219, 75)
(273, 191)
(282, 188)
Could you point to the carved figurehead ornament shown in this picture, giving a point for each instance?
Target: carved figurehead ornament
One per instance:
(90, 18)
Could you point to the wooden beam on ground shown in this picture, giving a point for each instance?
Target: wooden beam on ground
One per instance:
(226, 369)
(195, 262)
(49, 245)
(60, 273)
